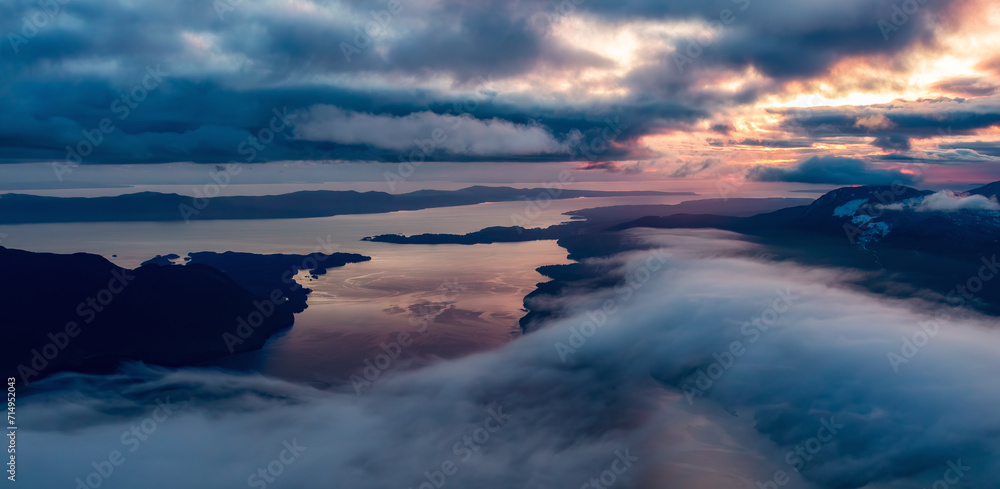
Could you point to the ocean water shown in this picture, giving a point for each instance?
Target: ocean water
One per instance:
(468, 297)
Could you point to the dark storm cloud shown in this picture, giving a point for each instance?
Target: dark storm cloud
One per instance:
(468, 39)
(608, 166)
(208, 122)
(231, 66)
(224, 67)
(775, 143)
(897, 157)
(893, 142)
(781, 39)
(277, 41)
(830, 169)
(636, 168)
(924, 118)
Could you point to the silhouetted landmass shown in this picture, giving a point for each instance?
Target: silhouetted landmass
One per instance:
(742, 207)
(83, 312)
(496, 234)
(990, 190)
(587, 237)
(867, 218)
(939, 256)
(162, 260)
(907, 251)
(262, 274)
(153, 206)
(591, 220)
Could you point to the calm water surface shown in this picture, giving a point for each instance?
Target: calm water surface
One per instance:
(470, 296)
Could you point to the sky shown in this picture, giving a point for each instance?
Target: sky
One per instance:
(848, 92)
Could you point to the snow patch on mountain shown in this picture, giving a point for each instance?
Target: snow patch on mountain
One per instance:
(871, 230)
(850, 208)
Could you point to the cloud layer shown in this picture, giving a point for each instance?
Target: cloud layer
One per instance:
(831, 169)
(533, 78)
(426, 132)
(948, 201)
(825, 351)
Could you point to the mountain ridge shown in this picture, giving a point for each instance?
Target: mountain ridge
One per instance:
(154, 206)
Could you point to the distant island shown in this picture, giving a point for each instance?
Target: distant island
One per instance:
(908, 241)
(154, 206)
(590, 220)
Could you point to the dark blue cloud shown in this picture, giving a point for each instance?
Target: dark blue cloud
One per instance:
(230, 67)
(923, 118)
(830, 169)
(892, 142)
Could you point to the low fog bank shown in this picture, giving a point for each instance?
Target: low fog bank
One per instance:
(702, 369)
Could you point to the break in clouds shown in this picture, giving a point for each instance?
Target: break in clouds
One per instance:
(656, 382)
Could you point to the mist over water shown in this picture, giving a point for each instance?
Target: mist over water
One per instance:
(648, 383)
(847, 339)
